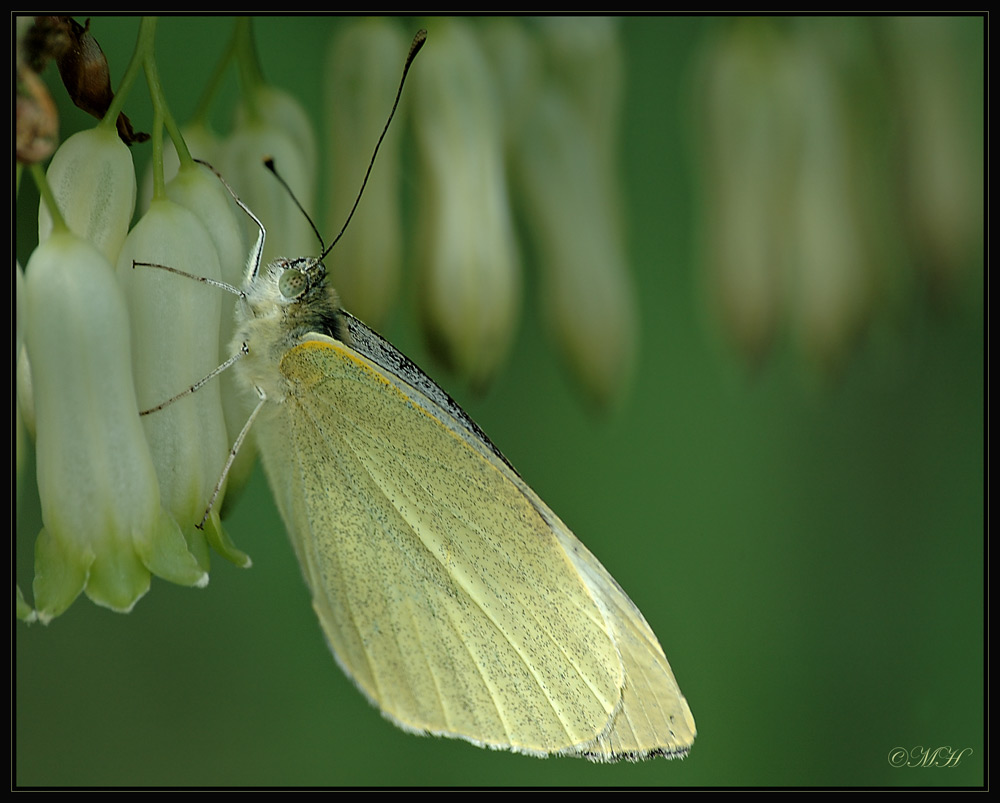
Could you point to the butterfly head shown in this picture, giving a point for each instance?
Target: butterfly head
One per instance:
(295, 294)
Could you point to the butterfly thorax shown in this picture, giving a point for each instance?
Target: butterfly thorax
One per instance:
(284, 303)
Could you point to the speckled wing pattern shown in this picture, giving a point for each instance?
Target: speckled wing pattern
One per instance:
(449, 592)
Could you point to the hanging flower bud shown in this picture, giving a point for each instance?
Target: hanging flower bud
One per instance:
(830, 272)
(470, 285)
(202, 144)
(104, 530)
(273, 106)
(272, 123)
(199, 190)
(585, 59)
(93, 180)
(516, 62)
(362, 72)
(942, 189)
(587, 292)
(175, 342)
(566, 153)
(746, 175)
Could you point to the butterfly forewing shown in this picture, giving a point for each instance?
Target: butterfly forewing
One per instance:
(439, 583)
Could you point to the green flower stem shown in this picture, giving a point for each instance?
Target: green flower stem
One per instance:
(251, 75)
(144, 57)
(143, 45)
(212, 87)
(162, 117)
(159, 185)
(58, 224)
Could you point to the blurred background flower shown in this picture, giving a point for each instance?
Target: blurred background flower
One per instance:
(841, 177)
(510, 120)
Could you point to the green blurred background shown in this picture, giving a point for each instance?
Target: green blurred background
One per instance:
(809, 548)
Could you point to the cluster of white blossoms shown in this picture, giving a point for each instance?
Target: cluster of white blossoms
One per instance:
(510, 120)
(838, 178)
(125, 470)
(123, 495)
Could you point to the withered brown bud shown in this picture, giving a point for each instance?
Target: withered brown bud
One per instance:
(37, 126)
(82, 66)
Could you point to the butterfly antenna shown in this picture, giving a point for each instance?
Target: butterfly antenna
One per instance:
(418, 42)
(269, 164)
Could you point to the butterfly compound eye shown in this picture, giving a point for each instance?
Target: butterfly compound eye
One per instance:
(292, 283)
